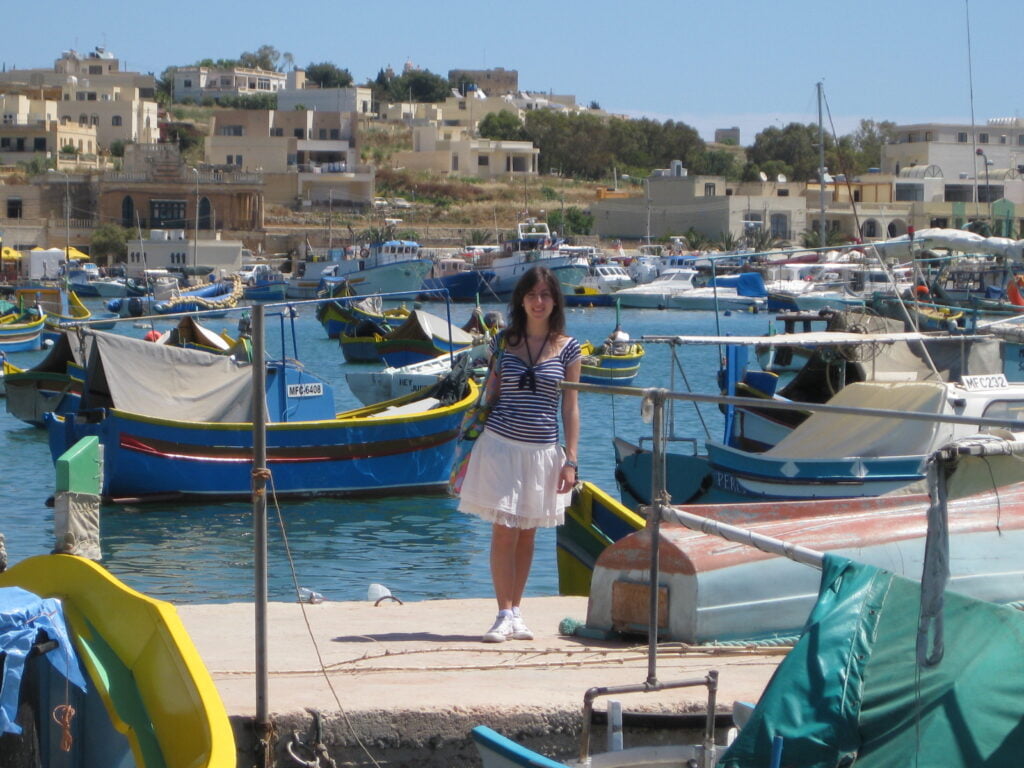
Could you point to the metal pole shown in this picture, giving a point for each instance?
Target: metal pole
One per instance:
(660, 496)
(67, 217)
(195, 245)
(259, 515)
(821, 167)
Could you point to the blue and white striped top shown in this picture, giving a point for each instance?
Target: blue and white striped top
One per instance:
(527, 408)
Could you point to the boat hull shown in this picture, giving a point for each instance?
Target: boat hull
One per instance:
(722, 591)
(144, 672)
(360, 453)
(465, 286)
(22, 336)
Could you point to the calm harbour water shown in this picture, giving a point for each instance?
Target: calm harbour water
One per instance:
(419, 547)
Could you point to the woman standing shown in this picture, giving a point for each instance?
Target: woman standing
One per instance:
(518, 477)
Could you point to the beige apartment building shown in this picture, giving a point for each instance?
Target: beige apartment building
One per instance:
(304, 156)
(674, 201)
(199, 83)
(29, 127)
(451, 150)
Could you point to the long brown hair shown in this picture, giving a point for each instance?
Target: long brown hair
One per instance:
(517, 315)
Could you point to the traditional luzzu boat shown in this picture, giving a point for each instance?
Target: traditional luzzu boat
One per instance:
(421, 337)
(140, 694)
(63, 308)
(615, 362)
(21, 329)
(54, 385)
(205, 451)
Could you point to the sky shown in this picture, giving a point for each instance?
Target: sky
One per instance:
(711, 64)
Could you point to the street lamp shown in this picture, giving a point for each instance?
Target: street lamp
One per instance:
(195, 244)
(67, 213)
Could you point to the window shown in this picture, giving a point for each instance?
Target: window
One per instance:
(238, 160)
(39, 144)
(14, 208)
(277, 131)
(519, 165)
(462, 106)
(929, 136)
(187, 83)
(909, 192)
(5, 142)
(780, 225)
(961, 137)
(299, 133)
(1002, 138)
(989, 194)
(95, 69)
(455, 162)
(709, 189)
(116, 120)
(983, 138)
(94, 120)
(323, 134)
(870, 228)
(781, 192)
(1020, 140)
(335, 134)
(167, 213)
(959, 193)
(483, 160)
(231, 130)
(230, 160)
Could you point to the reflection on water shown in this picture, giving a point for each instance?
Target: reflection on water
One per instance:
(420, 547)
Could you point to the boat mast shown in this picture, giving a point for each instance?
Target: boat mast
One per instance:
(821, 167)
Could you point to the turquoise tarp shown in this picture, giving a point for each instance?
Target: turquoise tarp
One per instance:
(851, 687)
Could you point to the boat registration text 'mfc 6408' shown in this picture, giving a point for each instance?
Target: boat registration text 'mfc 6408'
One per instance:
(306, 389)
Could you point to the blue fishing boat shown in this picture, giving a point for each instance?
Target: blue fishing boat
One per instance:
(189, 434)
(533, 246)
(421, 337)
(455, 279)
(265, 284)
(21, 329)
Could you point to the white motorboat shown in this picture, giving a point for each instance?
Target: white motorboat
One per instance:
(675, 289)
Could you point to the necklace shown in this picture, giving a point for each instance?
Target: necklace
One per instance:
(529, 377)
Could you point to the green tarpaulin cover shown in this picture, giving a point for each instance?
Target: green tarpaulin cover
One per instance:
(851, 692)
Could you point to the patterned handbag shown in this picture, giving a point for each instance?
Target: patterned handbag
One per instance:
(472, 426)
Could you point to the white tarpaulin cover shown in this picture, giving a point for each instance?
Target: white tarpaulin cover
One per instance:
(166, 382)
(423, 325)
(836, 436)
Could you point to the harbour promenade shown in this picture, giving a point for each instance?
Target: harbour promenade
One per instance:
(404, 684)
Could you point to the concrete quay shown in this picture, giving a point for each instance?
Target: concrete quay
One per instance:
(404, 684)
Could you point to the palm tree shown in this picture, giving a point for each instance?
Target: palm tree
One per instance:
(479, 237)
(811, 238)
(759, 239)
(727, 242)
(696, 241)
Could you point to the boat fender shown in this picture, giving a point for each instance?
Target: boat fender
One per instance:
(152, 335)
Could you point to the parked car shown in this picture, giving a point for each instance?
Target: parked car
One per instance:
(380, 202)
(400, 202)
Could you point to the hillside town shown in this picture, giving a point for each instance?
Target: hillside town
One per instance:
(84, 144)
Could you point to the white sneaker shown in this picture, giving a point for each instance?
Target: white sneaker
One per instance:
(519, 629)
(500, 632)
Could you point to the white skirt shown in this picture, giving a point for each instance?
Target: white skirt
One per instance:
(513, 483)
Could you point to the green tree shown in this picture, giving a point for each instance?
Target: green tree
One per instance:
(811, 238)
(718, 162)
(795, 146)
(576, 222)
(419, 85)
(117, 147)
(502, 126)
(727, 241)
(479, 237)
(165, 87)
(265, 57)
(868, 140)
(759, 239)
(328, 75)
(109, 242)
